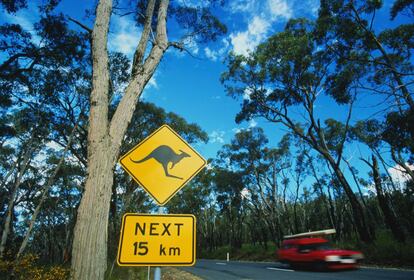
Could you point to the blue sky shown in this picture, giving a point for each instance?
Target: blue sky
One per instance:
(190, 86)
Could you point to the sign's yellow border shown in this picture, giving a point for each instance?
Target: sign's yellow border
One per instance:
(161, 203)
(157, 263)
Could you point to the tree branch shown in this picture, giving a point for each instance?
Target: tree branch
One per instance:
(125, 110)
(180, 46)
(142, 45)
(80, 24)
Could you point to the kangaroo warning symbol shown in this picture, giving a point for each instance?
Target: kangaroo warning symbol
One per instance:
(162, 163)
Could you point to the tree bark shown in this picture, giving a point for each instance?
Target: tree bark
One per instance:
(43, 197)
(397, 77)
(357, 211)
(389, 216)
(89, 254)
(396, 156)
(7, 222)
(316, 139)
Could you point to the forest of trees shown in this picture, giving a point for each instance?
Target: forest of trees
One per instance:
(69, 109)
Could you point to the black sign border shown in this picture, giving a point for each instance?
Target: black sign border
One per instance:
(142, 185)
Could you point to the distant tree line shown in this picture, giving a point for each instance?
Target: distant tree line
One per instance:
(251, 192)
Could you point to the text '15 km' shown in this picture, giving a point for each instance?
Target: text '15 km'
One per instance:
(157, 240)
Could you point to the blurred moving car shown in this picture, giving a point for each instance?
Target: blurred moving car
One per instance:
(310, 249)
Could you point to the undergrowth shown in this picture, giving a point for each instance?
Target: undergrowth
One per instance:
(384, 251)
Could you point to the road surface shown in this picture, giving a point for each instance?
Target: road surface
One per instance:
(216, 270)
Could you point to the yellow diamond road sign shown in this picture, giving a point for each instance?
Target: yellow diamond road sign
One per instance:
(162, 163)
(157, 240)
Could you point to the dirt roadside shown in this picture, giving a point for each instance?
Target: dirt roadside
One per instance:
(171, 273)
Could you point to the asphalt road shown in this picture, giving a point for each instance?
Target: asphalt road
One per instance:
(217, 270)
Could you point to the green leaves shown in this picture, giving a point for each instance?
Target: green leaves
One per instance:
(401, 6)
(12, 6)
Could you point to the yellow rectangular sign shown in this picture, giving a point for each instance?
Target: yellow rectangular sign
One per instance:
(157, 240)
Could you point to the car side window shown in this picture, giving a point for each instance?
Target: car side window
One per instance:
(288, 246)
(305, 249)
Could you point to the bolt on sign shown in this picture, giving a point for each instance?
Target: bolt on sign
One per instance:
(157, 240)
(162, 164)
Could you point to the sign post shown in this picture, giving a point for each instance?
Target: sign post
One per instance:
(157, 271)
(162, 164)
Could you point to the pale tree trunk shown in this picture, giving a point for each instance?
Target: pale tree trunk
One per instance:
(43, 197)
(316, 139)
(389, 216)
(7, 222)
(396, 156)
(89, 254)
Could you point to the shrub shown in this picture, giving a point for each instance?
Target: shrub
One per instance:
(28, 268)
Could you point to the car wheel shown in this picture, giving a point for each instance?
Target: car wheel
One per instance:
(293, 265)
(320, 266)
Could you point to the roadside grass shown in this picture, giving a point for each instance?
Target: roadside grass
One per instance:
(141, 273)
(248, 252)
(385, 251)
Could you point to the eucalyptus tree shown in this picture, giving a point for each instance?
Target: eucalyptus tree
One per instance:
(260, 168)
(390, 217)
(41, 72)
(105, 134)
(287, 72)
(380, 59)
(228, 186)
(382, 55)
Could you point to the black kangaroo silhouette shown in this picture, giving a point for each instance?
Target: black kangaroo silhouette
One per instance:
(164, 155)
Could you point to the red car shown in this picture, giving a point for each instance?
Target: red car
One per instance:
(305, 249)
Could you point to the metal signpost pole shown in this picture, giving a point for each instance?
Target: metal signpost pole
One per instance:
(165, 148)
(157, 273)
(157, 270)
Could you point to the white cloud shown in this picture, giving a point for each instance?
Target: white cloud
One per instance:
(252, 123)
(399, 175)
(25, 19)
(257, 31)
(258, 26)
(241, 5)
(218, 54)
(210, 54)
(280, 9)
(307, 8)
(209, 166)
(262, 17)
(314, 7)
(191, 45)
(241, 43)
(194, 3)
(54, 146)
(245, 193)
(245, 41)
(237, 130)
(126, 36)
(20, 19)
(217, 136)
(246, 94)
(152, 83)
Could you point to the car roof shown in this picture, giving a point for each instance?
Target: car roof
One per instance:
(304, 241)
